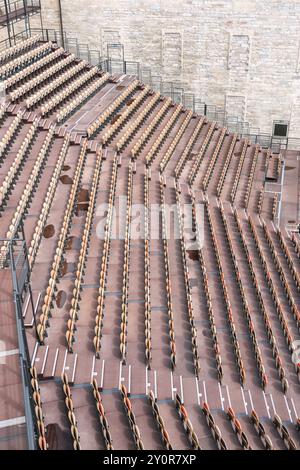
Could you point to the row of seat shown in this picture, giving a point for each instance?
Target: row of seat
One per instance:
(131, 419)
(137, 122)
(200, 155)
(188, 427)
(15, 65)
(102, 418)
(68, 91)
(231, 323)
(94, 128)
(14, 170)
(39, 229)
(38, 409)
(41, 77)
(280, 270)
(238, 430)
(289, 259)
(26, 197)
(60, 249)
(159, 421)
(104, 260)
(226, 165)
(214, 429)
(10, 134)
(85, 239)
(211, 317)
(71, 412)
(168, 155)
(273, 290)
(186, 153)
(275, 206)
(168, 277)
(284, 433)
(260, 430)
(296, 243)
(188, 289)
(53, 85)
(80, 98)
(127, 113)
(126, 267)
(251, 176)
(147, 273)
(260, 201)
(18, 48)
(213, 160)
(239, 171)
(162, 135)
(246, 308)
(266, 318)
(33, 68)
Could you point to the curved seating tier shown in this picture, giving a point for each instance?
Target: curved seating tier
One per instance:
(185, 155)
(16, 64)
(199, 157)
(21, 46)
(251, 176)
(213, 161)
(226, 165)
(239, 171)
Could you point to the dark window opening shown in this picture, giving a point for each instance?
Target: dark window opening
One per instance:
(280, 130)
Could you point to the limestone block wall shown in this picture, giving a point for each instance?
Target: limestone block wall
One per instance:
(242, 54)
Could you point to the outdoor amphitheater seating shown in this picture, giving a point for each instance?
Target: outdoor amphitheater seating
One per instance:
(251, 176)
(159, 421)
(9, 135)
(213, 160)
(58, 82)
(247, 311)
(42, 441)
(267, 322)
(168, 155)
(14, 170)
(259, 428)
(236, 426)
(199, 157)
(214, 429)
(137, 122)
(33, 68)
(104, 263)
(102, 417)
(80, 98)
(162, 135)
(226, 165)
(70, 412)
(289, 259)
(18, 48)
(284, 433)
(110, 110)
(34, 82)
(188, 427)
(58, 257)
(15, 65)
(185, 155)
(131, 419)
(239, 171)
(147, 274)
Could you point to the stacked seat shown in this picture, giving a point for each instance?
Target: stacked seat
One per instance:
(185, 155)
(10, 134)
(239, 171)
(159, 421)
(80, 98)
(137, 122)
(226, 165)
(102, 417)
(94, 128)
(15, 65)
(15, 168)
(188, 427)
(18, 48)
(289, 259)
(132, 419)
(284, 433)
(200, 155)
(238, 430)
(126, 268)
(60, 249)
(260, 430)
(104, 260)
(38, 409)
(214, 429)
(213, 160)
(168, 155)
(147, 273)
(39, 229)
(162, 135)
(70, 412)
(251, 176)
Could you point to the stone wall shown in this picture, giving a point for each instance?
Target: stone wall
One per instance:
(242, 54)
